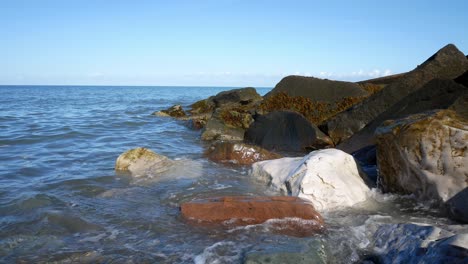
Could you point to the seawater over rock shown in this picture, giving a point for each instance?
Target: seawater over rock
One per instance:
(328, 178)
(148, 166)
(140, 161)
(238, 153)
(424, 154)
(245, 210)
(416, 243)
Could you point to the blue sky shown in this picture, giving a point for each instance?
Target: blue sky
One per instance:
(220, 42)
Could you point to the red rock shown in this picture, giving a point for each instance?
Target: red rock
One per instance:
(238, 153)
(284, 214)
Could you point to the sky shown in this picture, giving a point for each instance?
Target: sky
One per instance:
(220, 42)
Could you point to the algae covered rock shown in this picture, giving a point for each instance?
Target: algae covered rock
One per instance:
(424, 154)
(316, 89)
(174, 111)
(238, 153)
(140, 161)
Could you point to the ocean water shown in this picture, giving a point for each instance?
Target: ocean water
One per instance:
(61, 200)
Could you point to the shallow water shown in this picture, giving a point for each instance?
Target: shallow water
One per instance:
(62, 201)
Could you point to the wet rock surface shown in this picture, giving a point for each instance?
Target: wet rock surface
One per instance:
(140, 161)
(238, 153)
(284, 212)
(416, 243)
(424, 154)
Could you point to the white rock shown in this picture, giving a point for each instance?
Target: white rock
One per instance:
(328, 178)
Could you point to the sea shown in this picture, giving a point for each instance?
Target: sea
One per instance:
(61, 201)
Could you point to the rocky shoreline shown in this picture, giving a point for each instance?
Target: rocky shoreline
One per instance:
(313, 139)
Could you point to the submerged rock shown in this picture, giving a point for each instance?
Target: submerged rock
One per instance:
(415, 243)
(174, 111)
(287, 131)
(314, 253)
(447, 63)
(140, 161)
(238, 153)
(328, 178)
(424, 154)
(245, 210)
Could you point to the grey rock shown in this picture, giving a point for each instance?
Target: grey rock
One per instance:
(436, 94)
(287, 131)
(447, 63)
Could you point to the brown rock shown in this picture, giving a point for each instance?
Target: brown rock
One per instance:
(238, 153)
(174, 111)
(424, 154)
(298, 217)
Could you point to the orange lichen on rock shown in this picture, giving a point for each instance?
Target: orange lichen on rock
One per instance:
(314, 111)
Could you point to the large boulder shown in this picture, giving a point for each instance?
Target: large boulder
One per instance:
(287, 131)
(316, 89)
(141, 161)
(238, 153)
(231, 114)
(328, 178)
(424, 154)
(246, 210)
(447, 63)
(419, 243)
(436, 94)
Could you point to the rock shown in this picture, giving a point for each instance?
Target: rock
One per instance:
(328, 178)
(288, 131)
(202, 107)
(245, 210)
(238, 153)
(458, 206)
(462, 79)
(237, 97)
(317, 89)
(215, 129)
(424, 154)
(141, 161)
(460, 106)
(447, 63)
(174, 111)
(436, 94)
(415, 243)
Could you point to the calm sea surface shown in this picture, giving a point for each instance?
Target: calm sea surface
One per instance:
(61, 200)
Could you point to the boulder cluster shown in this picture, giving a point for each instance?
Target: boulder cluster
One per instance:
(411, 127)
